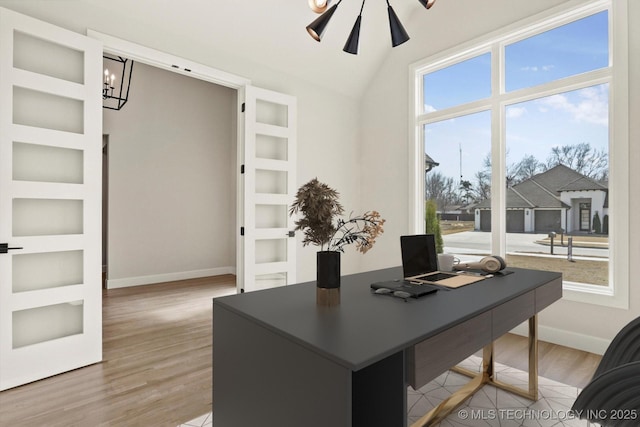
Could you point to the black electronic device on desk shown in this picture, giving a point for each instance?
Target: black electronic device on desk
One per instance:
(420, 264)
(403, 288)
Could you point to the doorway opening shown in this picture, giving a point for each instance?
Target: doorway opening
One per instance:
(171, 180)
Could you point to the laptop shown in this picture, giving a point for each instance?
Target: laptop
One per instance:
(420, 263)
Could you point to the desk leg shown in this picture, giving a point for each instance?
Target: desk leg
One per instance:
(532, 392)
(487, 376)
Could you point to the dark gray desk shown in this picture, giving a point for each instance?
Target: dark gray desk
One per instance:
(281, 360)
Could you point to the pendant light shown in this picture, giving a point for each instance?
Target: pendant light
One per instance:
(426, 3)
(317, 27)
(398, 33)
(352, 42)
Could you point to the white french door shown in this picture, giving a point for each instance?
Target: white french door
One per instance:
(269, 187)
(50, 197)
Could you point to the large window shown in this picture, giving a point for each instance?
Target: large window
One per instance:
(523, 156)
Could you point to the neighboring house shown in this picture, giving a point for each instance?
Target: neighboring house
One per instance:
(457, 213)
(429, 163)
(555, 200)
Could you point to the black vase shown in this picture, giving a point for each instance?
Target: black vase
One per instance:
(328, 269)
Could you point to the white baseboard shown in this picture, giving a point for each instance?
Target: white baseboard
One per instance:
(168, 277)
(566, 338)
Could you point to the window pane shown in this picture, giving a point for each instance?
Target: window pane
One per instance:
(565, 51)
(557, 179)
(457, 84)
(457, 177)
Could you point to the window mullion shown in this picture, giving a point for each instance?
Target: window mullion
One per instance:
(498, 153)
(568, 84)
(453, 112)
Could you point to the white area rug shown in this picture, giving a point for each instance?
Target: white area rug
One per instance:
(489, 406)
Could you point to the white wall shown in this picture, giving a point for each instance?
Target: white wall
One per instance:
(328, 122)
(171, 179)
(385, 126)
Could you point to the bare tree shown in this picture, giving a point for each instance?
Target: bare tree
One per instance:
(441, 189)
(482, 189)
(524, 169)
(581, 158)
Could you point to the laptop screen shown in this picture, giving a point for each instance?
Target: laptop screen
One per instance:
(418, 254)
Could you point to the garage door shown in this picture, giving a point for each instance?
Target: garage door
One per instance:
(546, 221)
(515, 221)
(485, 220)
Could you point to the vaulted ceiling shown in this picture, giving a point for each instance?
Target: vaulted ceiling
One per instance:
(272, 33)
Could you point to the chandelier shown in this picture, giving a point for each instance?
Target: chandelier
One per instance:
(115, 89)
(316, 28)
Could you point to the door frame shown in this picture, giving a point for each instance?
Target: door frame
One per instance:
(185, 67)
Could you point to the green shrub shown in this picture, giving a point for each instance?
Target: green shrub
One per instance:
(432, 224)
(605, 225)
(597, 226)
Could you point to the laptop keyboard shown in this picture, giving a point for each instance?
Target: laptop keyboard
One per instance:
(434, 277)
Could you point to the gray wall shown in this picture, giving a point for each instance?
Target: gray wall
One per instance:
(172, 155)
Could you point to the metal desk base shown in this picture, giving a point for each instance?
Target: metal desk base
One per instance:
(487, 376)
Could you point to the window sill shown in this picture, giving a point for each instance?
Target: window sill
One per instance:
(597, 295)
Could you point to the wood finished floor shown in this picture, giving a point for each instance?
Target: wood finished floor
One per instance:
(563, 364)
(157, 363)
(156, 369)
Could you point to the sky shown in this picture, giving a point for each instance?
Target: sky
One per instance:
(460, 145)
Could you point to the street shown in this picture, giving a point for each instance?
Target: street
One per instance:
(478, 242)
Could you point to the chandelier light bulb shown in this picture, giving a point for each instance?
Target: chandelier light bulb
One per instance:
(318, 6)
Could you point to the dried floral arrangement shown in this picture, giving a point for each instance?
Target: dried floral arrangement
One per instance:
(319, 208)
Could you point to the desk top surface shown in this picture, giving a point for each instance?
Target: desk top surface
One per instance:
(365, 327)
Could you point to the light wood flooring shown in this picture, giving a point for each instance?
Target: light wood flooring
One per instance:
(157, 363)
(556, 362)
(156, 369)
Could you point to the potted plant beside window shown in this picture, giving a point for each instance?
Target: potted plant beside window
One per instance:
(319, 219)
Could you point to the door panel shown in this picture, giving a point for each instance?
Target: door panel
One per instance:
(50, 177)
(269, 187)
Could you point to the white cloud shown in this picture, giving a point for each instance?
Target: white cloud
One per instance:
(515, 112)
(591, 105)
(429, 108)
(536, 68)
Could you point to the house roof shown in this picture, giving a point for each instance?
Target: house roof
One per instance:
(428, 159)
(543, 190)
(583, 184)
